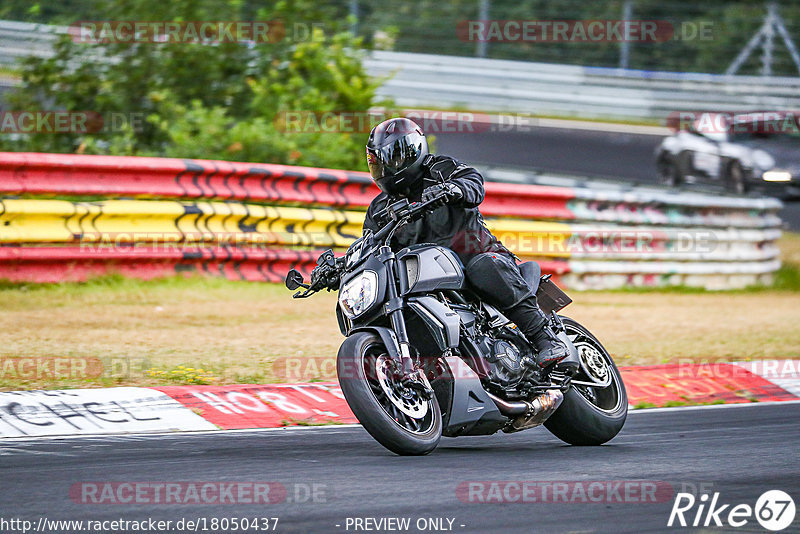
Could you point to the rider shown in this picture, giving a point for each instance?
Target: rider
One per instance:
(401, 166)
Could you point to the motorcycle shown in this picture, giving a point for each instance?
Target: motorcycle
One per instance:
(424, 357)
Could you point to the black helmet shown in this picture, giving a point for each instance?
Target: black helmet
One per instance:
(395, 151)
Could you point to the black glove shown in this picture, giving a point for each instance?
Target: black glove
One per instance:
(326, 273)
(449, 191)
(317, 275)
(325, 277)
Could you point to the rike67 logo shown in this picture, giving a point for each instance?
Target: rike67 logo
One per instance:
(774, 510)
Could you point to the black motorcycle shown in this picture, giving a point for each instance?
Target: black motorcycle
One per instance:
(425, 357)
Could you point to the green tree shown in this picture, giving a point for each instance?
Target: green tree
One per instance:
(221, 100)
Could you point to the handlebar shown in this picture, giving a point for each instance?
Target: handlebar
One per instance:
(328, 267)
(408, 213)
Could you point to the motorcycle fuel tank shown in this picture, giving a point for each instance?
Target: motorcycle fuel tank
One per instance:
(429, 268)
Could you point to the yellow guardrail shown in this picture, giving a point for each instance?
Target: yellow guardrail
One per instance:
(147, 221)
(123, 222)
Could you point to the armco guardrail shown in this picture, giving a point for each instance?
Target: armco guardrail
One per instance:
(67, 174)
(25, 39)
(155, 216)
(425, 80)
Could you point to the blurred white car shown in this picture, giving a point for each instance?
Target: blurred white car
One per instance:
(739, 151)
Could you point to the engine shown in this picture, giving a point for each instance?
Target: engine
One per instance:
(507, 370)
(497, 353)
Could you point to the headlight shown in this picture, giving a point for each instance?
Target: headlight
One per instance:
(359, 294)
(777, 176)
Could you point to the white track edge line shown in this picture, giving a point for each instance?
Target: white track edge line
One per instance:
(345, 426)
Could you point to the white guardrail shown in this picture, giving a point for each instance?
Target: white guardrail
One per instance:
(426, 80)
(24, 39)
(542, 88)
(692, 238)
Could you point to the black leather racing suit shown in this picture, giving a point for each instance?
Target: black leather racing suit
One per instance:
(490, 268)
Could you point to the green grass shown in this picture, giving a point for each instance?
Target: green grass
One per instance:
(10, 73)
(115, 282)
(786, 278)
(676, 403)
(237, 331)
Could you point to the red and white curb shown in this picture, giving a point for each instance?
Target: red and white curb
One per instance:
(203, 408)
(94, 411)
(758, 381)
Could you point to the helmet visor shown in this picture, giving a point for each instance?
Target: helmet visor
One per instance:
(396, 156)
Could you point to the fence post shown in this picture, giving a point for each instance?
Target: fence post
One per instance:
(625, 45)
(483, 14)
(354, 17)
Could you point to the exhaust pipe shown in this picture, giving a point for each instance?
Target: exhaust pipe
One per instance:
(511, 408)
(529, 414)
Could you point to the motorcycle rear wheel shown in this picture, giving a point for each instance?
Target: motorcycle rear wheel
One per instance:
(590, 416)
(396, 417)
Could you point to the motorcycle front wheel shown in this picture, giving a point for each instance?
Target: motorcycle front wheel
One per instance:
(590, 415)
(397, 417)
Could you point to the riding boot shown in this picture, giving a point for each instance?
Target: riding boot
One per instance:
(533, 323)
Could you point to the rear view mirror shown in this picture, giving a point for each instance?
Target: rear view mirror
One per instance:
(294, 279)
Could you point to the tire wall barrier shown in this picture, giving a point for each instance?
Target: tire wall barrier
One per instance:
(69, 217)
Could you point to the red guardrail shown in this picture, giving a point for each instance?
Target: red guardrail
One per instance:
(120, 176)
(255, 264)
(60, 264)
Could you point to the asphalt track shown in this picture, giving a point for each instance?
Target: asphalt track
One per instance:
(739, 451)
(624, 156)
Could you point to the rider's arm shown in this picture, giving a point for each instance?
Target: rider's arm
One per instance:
(369, 223)
(468, 180)
(369, 219)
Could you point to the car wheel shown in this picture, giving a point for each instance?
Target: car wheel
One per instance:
(668, 172)
(734, 179)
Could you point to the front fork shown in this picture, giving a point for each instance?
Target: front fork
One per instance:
(412, 378)
(394, 309)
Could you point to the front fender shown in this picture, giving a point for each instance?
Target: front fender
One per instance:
(388, 337)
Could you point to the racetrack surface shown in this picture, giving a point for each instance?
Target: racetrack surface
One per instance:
(596, 153)
(627, 156)
(739, 451)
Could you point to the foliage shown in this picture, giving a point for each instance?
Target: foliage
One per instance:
(428, 26)
(216, 101)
